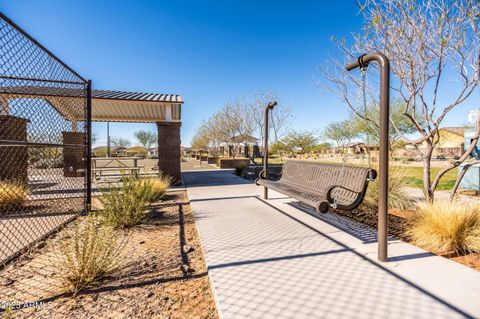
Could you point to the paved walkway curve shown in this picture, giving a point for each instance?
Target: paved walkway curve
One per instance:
(269, 259)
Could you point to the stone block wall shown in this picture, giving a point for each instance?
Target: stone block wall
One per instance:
(14, 159)
(169, 149)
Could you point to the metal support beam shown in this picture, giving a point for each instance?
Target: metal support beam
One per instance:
(88, 176)
(384, 64)
(269, 107)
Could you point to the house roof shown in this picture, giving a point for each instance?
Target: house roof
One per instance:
(454, 130)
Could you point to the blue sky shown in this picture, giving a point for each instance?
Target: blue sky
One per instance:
(207, 51)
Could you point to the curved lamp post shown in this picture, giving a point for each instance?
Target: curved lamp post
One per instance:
(384, 65)
(268, 108)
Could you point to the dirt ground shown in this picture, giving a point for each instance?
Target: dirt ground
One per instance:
(163, 275)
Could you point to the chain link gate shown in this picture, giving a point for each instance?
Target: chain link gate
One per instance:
(44, 149)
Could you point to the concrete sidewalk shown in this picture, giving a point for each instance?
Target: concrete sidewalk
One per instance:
(270, 259)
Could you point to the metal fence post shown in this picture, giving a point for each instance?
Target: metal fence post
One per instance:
(89, 146)
(384, 64)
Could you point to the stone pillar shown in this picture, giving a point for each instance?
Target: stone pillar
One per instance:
(73, 157)
(169, 149)
(14, 159)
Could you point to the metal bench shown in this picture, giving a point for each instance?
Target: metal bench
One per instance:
(321, 185)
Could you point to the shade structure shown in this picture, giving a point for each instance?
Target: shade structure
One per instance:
(119, 106)
(133, 107)
(113, 106)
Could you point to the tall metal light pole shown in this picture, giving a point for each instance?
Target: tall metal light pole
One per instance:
(384, 64)
(269, 107)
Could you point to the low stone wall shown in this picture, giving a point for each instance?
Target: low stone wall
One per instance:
(252, 171)
(232, 162)
(212, 160)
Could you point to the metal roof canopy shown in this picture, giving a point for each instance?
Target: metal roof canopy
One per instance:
(117, 106)
(107, 106)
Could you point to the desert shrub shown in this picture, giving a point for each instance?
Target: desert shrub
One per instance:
(240, 170)
(158, 185)
(88, 252)
(125, 206)
(397, 180)
(444, 227)
(12, 196)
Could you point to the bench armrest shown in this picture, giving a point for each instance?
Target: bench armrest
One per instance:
(330, 189)
(262, 174)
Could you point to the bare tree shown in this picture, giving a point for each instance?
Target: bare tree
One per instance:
(239, 120)
(281, 116)
(120, 142)
(428, 43)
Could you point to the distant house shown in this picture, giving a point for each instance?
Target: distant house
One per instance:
(118, 151)
(451, 137)
(450, 144)
(353, 149)
(99, 151)
(153, 151)
(136, 151)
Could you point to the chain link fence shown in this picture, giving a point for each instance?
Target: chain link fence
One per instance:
(43, 144)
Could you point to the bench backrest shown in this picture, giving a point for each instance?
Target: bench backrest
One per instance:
(317, 177)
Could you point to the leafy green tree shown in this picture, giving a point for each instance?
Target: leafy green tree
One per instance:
(342, 133)
(301, 141)
(145, 138)
(401, 125)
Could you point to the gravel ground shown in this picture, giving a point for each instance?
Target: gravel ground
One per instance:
(158, 279)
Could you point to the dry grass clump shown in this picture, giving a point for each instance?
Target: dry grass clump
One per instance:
(12, 196)
(159, 186)
(126, 206)
(445, 228)
(397, 198)
(89, 252)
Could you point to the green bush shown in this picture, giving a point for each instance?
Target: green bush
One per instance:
(397, 181)
(126, 206)
(240, 170)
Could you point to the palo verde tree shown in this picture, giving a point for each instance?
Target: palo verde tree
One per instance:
(369, 132)
(146, 138)
(302, 142)
(433, 46)
(342, 133)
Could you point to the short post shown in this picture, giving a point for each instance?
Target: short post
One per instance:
(269, 107)
(384, 64)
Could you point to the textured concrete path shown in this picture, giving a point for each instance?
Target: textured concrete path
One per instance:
(274, 259)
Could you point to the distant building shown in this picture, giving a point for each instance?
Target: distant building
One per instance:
(472, 117)
(118, 151)
(244, 144)
(153, 151)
